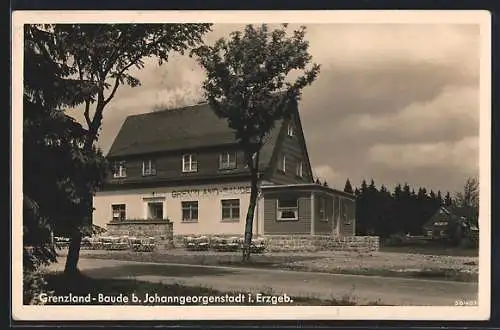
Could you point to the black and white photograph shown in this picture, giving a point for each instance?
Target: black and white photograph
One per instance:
(251, 165)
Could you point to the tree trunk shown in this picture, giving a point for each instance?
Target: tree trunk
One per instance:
(71, 267)
(250, 216)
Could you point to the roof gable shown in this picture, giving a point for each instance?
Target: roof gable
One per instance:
(282, 135)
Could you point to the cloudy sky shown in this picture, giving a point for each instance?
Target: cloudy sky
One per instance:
(393, 102)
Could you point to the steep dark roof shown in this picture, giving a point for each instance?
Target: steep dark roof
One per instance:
(184, 128)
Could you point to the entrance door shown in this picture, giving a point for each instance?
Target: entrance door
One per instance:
(155, 210)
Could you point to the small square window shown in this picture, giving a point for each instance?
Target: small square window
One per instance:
(148, 167)
(118, 211)
(288, 209)
(119, 170)
(189, 163)
(227, 160)
(155, 210)
(230, 209)
(190, 211)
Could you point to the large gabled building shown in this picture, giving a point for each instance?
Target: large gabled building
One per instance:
(184, 165)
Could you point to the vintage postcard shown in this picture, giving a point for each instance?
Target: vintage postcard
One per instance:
(251, 165)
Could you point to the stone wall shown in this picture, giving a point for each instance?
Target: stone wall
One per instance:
(161, 230)
(307, 243)
(179, 240)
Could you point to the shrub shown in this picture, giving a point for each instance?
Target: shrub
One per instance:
(468, 243)
(394, 240)
(34, 285)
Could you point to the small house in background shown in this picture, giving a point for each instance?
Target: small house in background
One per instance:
(447, 224)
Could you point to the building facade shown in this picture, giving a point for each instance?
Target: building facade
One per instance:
(184, 166)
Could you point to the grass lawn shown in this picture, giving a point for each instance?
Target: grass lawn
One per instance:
(380, 264)
(62, 285)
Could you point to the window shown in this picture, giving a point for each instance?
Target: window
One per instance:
(230, 209)
(429, 233)
(189, 211)
(299, 168)
(119, 170)
(347, 210)
(155, 210)
(227, 160)
(282, 165)
(189, 163)
(291, 130)
(148, 167)
(288, 209)
(118, 212)
(322, 210)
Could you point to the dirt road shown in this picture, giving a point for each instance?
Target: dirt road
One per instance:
(391, 291)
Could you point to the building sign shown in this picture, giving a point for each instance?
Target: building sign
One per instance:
(235, 190)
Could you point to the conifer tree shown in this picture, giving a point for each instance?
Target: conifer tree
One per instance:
(348, 187)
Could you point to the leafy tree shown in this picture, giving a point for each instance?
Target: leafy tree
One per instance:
(348, 187)
(249, 84)
(101, 57)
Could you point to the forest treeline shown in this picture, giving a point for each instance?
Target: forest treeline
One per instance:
(405, 209)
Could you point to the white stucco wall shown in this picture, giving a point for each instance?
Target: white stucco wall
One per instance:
(209, 207)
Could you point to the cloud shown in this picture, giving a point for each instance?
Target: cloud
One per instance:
(462, 154)
(393, 102)
(325, 172)
(451, 115)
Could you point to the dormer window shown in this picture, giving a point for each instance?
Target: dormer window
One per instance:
(299, 169)
(189, 163)
(291, 129)
(282, 166)
(227, 160)
(119, 170)
(148, 167)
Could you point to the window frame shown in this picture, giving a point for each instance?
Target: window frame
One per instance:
(193, 163)
(231, 208)
(156, 204)
(122, 213)
(151, 165)
(322, 206)
(121, 166)
(225, 158)
(282, 164)
(191, 219)
(299, 169)
(280, 209)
